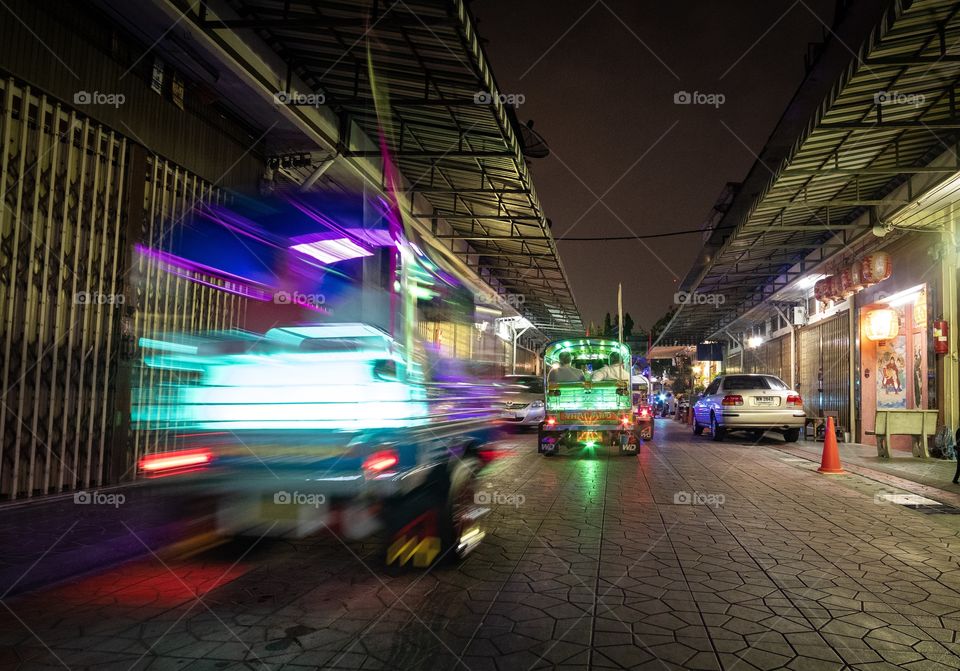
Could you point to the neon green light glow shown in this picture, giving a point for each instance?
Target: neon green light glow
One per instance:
(421, 292)
(164, 346)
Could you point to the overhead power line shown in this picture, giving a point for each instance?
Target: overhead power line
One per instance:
(564, 238)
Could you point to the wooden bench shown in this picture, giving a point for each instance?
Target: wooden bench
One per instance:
(812, 426)
(915, 423)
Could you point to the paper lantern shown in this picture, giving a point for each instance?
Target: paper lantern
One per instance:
(856, 277)
(882, 324)
(834, 292)
(851, 280)
(820, 290)
(875, 268)
(846, 283)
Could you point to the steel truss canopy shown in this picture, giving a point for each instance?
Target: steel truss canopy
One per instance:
(453, 137)
(876, 108)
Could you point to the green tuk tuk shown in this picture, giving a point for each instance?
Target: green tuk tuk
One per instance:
(586, 408)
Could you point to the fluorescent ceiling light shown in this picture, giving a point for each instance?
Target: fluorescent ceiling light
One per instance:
(331, 251)
(903, 297)
(809, 281)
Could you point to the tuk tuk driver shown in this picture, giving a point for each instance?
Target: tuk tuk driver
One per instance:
(615, 370)
(565, 372)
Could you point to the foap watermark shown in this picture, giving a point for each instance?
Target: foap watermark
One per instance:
(698, 499)
(297, 99)
(698, 98)
(95, 498)
(899, 98)
(284, 498)
(98, 98)
(298, 298)
(486, 498)
(510, 99)
(694, 298)
(97, 298)
(493, 298)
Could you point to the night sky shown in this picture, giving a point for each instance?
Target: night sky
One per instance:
(604, 102)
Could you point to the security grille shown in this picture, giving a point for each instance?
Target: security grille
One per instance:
(825, 368)
(61, 293)
(173, 300)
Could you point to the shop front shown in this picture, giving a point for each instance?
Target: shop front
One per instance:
(896, 363)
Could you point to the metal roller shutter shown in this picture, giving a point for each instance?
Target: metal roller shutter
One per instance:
(825, 368)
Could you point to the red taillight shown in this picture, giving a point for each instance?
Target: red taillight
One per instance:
(168, 462)
(732, 399)
(644, 412)
(381, 461)
(794, 399)
(551, 421)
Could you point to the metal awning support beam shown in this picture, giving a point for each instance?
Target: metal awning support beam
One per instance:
(515, 238)
(318, 173)
(872, 170)
(912, 60)
(490, 190)
(817, 204)
(300, 20)
(890, 125)
(410, 102)
(469, 217)
(419, 153)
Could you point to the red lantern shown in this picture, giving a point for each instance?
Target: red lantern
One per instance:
(875, 268)
(846, 283)
(821, 289)
(834, 292)
(856, 277)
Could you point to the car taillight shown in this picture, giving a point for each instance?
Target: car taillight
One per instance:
(794, 399)
(551, 421)
(168, 463)
(380, 461)
(732, 399)
(644, 412)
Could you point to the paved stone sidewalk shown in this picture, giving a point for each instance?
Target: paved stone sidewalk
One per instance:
(934, 476)
(693, 555)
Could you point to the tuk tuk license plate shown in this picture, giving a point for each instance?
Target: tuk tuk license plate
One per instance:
(587, 417)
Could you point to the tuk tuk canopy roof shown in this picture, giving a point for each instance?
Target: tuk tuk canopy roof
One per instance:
(580, 348)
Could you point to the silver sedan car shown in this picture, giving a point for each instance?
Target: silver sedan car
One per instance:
(749, 402)
(521, 400)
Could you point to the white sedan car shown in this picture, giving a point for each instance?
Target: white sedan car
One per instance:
(749, 402)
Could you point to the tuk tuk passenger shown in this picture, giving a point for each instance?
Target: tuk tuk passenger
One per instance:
(565, 372)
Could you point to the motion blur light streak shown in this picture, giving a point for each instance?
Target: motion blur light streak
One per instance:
(381, 461)
(175, 461)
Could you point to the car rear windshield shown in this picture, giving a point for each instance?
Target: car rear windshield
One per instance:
(532, 384)
(745, 382)
(775, 382)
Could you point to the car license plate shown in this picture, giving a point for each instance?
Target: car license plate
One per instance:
(766, 400)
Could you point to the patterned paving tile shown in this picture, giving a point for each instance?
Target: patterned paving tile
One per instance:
(599, 568)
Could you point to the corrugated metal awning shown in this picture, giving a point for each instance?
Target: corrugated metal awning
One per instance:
(890, 112)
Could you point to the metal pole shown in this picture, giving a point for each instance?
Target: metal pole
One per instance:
(950, 365)
(516, 337)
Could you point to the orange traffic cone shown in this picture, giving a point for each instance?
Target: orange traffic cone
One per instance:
(830, 461)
